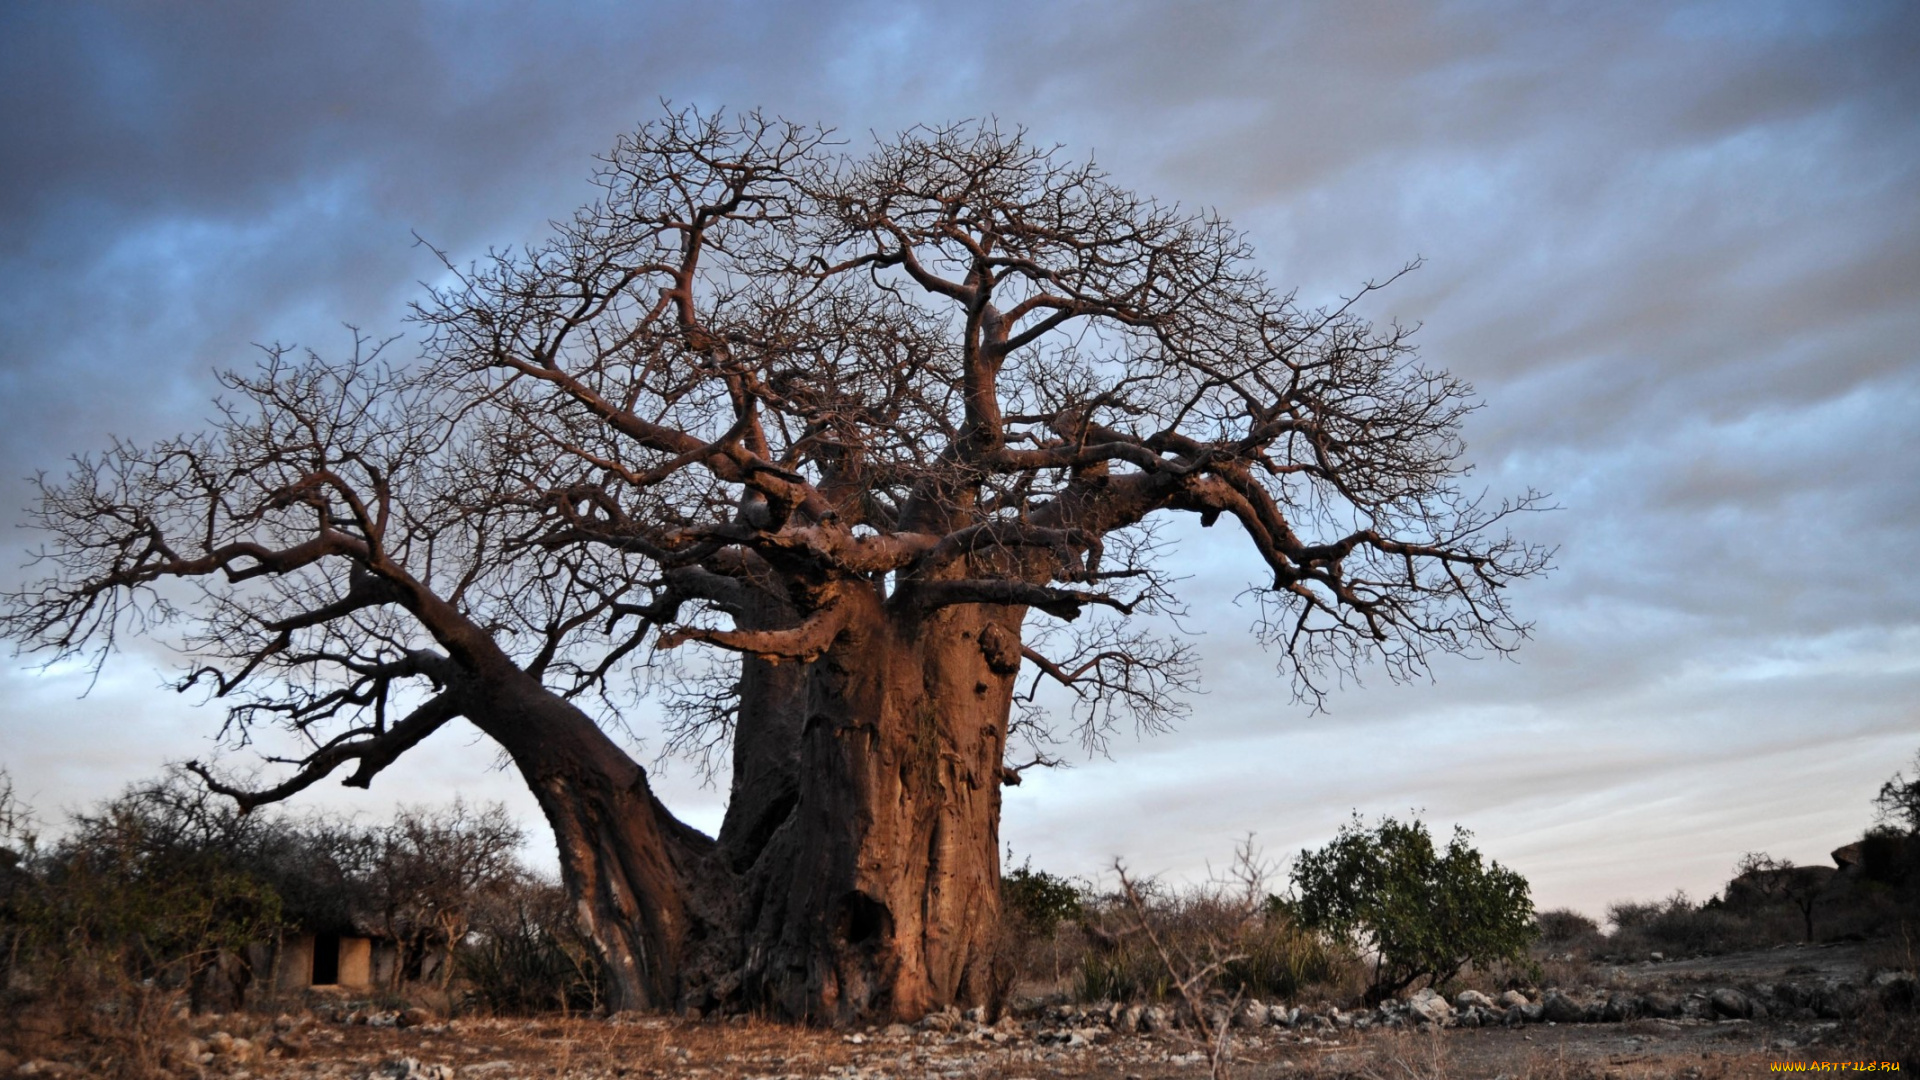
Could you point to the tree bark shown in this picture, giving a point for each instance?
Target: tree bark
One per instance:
(857, 873)
(877, 895)
(642, 883)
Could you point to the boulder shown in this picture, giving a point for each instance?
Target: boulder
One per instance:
(1730, 1004)
(1250, 1014)
(1472, 999)
(1511, 998)
(1620, 1007)
(1899, 991)
(1561, 1009)
(1428, 1007)
(1662, 1005)
(1157, 1020)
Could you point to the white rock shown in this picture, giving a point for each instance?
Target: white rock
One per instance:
(1429, 1007)
(406, 1068)
(1471, 999)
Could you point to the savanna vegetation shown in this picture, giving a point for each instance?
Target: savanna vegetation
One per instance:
(135, 912)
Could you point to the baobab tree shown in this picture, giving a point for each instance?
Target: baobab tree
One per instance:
(879, 433)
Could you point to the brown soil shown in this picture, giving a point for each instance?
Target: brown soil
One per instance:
(752, 1050)
(741, 1049)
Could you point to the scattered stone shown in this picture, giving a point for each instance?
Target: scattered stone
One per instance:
(286, 1044)
(412, 1018)
(1512, 998)
(243, 1051)
(1251, 1014)
(943, 1020)
(406, 1068)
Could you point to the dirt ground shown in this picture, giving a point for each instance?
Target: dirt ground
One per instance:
(739, 1050)
(341, 1041)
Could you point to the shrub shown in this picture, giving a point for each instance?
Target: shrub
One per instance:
(1889, 856)
(153, 885)
(1898, 804)
(106, 929)
(1269, 955)
(1677, 927)
(1038, 900)
(527, 956)
(1565, 931)
(1420, 913)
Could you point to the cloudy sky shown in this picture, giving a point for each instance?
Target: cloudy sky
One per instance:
(1675, 247)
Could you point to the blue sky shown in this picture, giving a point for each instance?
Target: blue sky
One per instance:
(1675, 247)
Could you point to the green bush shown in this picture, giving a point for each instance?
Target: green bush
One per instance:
(1420, 913)
(1039, 900)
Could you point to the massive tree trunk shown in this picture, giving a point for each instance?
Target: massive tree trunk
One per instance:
(857, 873)
(878, 895)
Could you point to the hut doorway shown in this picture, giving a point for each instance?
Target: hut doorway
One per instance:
(326, 959)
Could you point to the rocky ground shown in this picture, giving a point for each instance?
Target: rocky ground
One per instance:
(1733, 1016)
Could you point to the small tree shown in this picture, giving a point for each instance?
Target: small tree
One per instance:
(1421, 913)
(1041, 901)
(1768, 880)
(1898, 804)
(433, 867)
(153, 888)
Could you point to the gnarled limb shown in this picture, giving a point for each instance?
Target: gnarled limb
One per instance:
(801, 644)
(373, 751)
